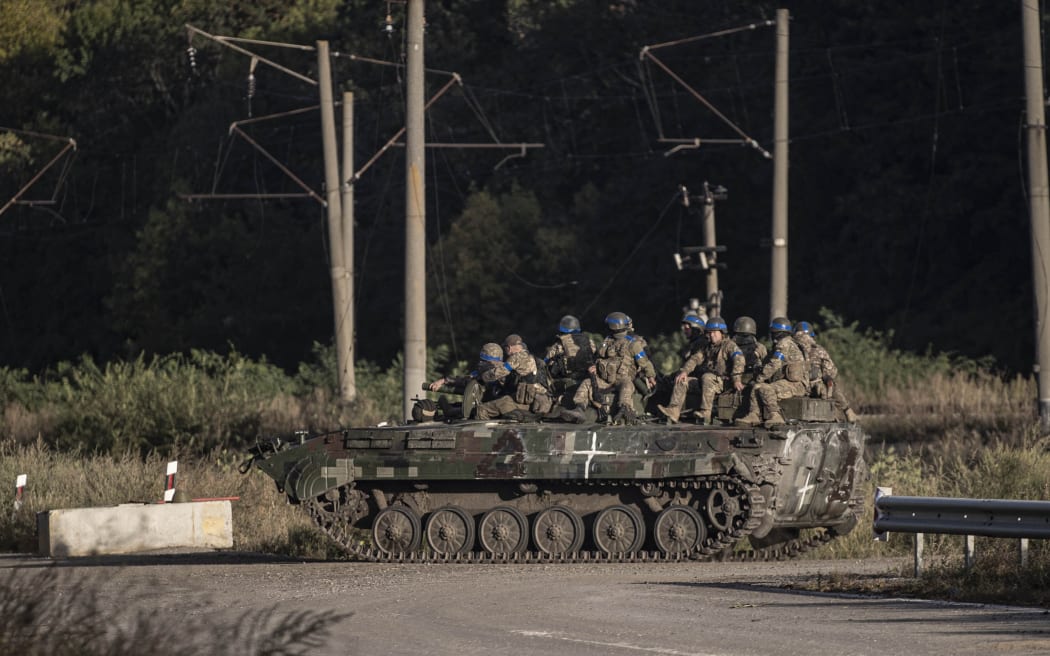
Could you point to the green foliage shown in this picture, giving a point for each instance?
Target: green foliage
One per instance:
(869, 360)
(14, 152)
(29, 25)
(665, 351)
(497, 254)
(174, 404)
(872, 365)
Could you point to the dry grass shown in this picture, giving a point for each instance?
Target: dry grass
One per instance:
(960, 436)
(262, 520)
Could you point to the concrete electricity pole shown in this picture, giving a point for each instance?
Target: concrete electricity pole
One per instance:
(714, 296)
(1038, 203)
(348, 381)
(778, 288)
(340, 297)
(415, 213)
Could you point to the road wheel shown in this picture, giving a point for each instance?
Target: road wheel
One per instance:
(557, 530)
(396, 530)
(450, 530)
(618, 530)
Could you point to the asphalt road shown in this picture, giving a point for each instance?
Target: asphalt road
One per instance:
(702, 609)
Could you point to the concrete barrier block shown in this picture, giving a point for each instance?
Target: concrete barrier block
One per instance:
(132, 528)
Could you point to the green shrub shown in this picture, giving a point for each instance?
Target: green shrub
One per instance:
(173, 404)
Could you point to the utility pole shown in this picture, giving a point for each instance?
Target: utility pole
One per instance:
(348, 381)
(704, 258)
(778, 288)
(714, 296)
(415, 212)
(340, 298)
(1038, 203)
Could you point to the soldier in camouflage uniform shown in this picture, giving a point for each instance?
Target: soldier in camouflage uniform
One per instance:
(693, 330)
(754, 351)
(822, 371)
(719, 362)
(783, 376)
(476, 387)
(525, 386)
(621, 357)
(568, 359)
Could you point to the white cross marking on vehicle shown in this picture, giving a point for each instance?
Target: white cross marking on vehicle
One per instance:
(591, 453)
(805, 490)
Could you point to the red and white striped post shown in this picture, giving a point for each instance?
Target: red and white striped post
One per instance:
(169, 481)
(20, 485)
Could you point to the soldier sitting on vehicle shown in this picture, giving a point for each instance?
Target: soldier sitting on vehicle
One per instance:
(525, 384)
(783, 375)
(822, 371)
(568, 360)
(476, 387)
(744, 329)
(707, 371)
(621, 357)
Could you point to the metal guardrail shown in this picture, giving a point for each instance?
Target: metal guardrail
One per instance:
(997, 518)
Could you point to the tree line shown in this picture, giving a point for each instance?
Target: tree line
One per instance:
(907, 202)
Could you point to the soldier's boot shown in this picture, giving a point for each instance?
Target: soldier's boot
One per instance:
(575, 416)
(671, 412)
(560, 413)
(775, 419)
(626, 416)
(514, 415)
(703, 417)
(752, 418)
(851, 416)
(584, 411)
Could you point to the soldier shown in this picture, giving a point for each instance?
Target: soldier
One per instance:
(568, 359)
(783, 375)
(822, 371)
(525, 386)
(754, 351)
(476, 387)
(621, 357)
(720, 361)
(693, 330)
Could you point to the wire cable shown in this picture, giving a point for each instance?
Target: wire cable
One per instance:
(638, 244)
(924, 216)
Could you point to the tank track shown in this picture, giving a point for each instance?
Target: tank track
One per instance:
(336, 524)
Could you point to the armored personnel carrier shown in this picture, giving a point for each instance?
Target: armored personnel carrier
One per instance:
(509, 491)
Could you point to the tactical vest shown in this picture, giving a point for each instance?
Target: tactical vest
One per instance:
(615, 360)
(719, 359)
(575, 358)
(749, 347)
(794, 362)
(812, 362)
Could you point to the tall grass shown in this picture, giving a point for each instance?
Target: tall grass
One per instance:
(262, 519)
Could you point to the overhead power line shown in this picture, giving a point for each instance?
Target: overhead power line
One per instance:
(695, 142)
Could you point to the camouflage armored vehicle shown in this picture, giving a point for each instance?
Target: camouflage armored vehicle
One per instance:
(519, 491)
